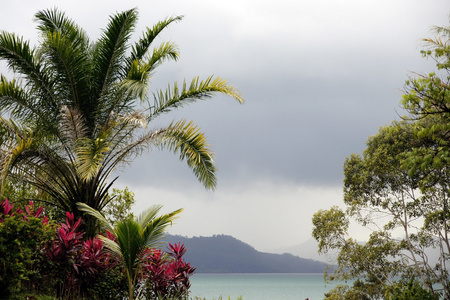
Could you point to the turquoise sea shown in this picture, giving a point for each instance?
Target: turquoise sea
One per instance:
(260, 286)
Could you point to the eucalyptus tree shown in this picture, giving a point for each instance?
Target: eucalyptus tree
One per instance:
(400, 189)
(398, 214)
(77, 109)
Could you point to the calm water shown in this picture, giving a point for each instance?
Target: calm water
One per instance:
(260, 286)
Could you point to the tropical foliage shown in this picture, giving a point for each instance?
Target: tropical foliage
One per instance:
(78, 109)
(77, 265)
(58, 262)
(399, 190)
(167, 274)
(24, 234)
(130, 239)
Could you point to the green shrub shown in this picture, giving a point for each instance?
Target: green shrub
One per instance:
(411, 291)
(22, 242)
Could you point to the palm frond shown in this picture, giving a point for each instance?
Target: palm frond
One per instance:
(70, 62)
(11, 151)
(140, 48)
(135, 119)
(53, 20)
(120, 134)
(15, 99)
(197, 90)
(111, 247)
(25, 157)
(90, 154)
(22, 105)
(72, 124)
(129, 238)
(191, 144)
(20, 58)
(155, 227)
(130, 146)
(96, 214)
(18, 53)
(137, 81)
(166, 51)
(44, 169)
(65, 49)
(148, 215)
(110, 50)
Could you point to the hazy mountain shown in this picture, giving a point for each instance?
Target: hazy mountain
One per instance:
(225, 254)
(308, 249)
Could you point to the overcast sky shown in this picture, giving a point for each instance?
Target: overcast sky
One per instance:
(318, 77)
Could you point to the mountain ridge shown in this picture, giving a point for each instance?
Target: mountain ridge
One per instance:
(226, 254)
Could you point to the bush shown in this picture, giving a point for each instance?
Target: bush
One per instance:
(23, 236)
(413, 290)
(81, 268)
(167, 273)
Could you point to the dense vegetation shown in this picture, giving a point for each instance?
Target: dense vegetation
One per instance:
(39, 256)
(74, 111)
(399, 190)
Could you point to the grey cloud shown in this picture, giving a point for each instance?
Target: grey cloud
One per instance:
(319, 77)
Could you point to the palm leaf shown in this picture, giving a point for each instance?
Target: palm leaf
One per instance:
(21, 59)
(197, 90)
(96, 214)
(136, 83)
(166, 51)
(155, 227)
(108, 67)
(24, 156)
(72, 124)
(65, 48)
(90, 155)
(129, 146)
(110, 50)
(186, 139)
(141, 47)
(70, 63)
(10, 151)
(53, 20)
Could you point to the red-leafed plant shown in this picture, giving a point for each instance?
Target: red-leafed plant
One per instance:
(63, 255)
(68, 241)
(78, 265)
(37, 255)
(167, 274)
(6, 210)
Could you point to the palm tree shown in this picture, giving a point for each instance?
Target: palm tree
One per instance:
(81, 108)
(132, 237)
